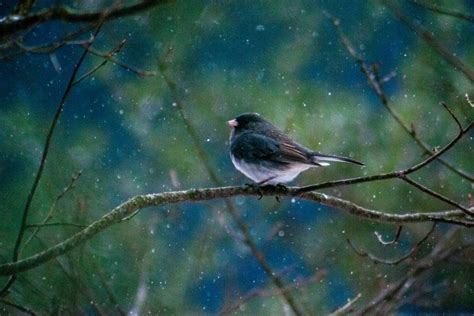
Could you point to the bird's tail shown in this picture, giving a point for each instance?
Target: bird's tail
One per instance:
(323, 160)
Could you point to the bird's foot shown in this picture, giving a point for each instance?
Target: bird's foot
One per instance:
(256, 187)
(281, 187)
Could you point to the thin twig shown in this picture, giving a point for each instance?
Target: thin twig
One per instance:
(79, 286)
(113, 52)
(469, 101)
(458, 123)
(376, 259)
(377, 87)
(47, 48)
(109, 57)
(21, 308)
(431, 41)
(51, 47)
(56, 224)
(108, 289)
(440, 252)
(52, 208)
(390, 242)
(269, 293)
(347, 308)
(39, 173)
(443, 11)
(437, 195)
(389, 175)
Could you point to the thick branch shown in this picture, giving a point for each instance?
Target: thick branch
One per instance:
(10, 26)
(148, 200)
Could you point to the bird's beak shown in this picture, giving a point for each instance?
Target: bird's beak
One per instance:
(232, 123)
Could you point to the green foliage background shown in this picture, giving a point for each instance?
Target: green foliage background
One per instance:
(282, 59)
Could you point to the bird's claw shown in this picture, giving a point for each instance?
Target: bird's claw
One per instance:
(256, 187)
(282, 187)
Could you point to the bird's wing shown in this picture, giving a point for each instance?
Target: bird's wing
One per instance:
(294, 153)
(255, 145)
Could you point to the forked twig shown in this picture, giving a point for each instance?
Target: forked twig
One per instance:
(110, 57)
(397, 174)
(113, 52)
(39, 173)
(432, 41)
(49, 215)
(410, 253)
(377, 87)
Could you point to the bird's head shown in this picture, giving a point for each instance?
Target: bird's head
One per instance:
(247, 122)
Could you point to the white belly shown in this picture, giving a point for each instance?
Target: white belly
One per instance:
(259, 173)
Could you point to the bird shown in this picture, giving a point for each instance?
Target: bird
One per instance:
(267, 155)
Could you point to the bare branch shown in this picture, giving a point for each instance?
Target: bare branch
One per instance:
(109, 57)
(67, 40)
(102, 64)
(377, 87)
(51, 47)
(431, 41)
(471, 103)
(108, 289)
(265, 293)
(39, 173)
(437, 195)
(143, 201)
(458, 123)
(389, 175)
(49, 215)
(55, 224)
(443, 11)
(440, 252)
(10, 26)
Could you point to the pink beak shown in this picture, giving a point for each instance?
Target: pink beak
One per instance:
(232, 123)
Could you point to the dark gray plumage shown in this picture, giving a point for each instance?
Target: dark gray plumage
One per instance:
(267, 156)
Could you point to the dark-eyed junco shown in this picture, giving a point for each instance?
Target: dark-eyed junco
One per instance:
(267, 156)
